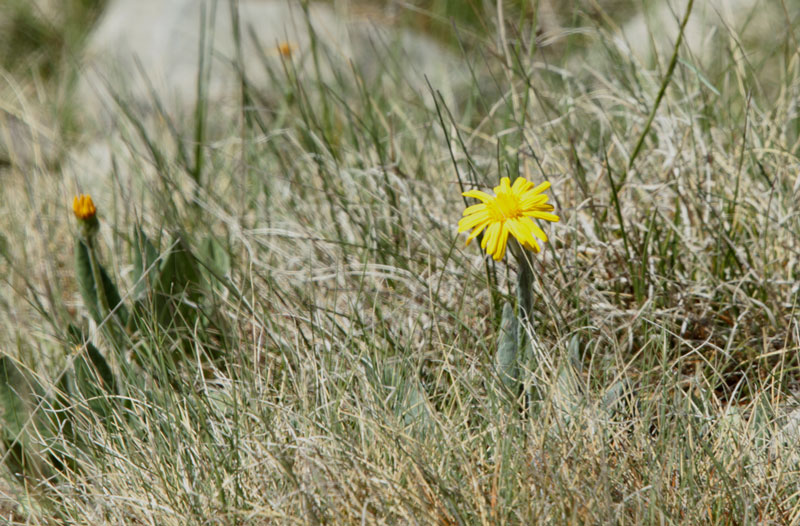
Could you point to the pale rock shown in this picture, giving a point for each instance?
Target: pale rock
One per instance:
(25, 140)
(709, 30)
(143, 50)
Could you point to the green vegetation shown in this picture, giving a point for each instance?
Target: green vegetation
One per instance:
(41, 39)
(282, 326)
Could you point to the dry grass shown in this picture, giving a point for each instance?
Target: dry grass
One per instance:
(356, 383)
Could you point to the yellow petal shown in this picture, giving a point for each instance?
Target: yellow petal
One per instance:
(533, 246)
(538, 232)
(533, 201)
(504, 186)
(510, 212)
(490, 239)
(473, 209)
(477, 194)
(521, 230)
(487, 235)
(465, 223)
(543, 215)
(521, 185)
(541, 187)
(500, 251)
(475, 233)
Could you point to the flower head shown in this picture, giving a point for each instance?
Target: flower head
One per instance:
(285, 49)
(83, 207)
(510, 211)
(85, 211)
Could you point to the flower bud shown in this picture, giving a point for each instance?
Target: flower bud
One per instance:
(85, 211)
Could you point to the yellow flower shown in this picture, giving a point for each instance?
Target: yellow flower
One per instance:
(83, 207)
(286, 49)
(510, 211)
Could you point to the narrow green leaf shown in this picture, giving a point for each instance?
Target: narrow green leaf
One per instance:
(568, 393)
(574, 352)
(413, 408)
(85, 278)
(15, 397)
(700, 76)
(619, 399)
(406, 397)
(179, 270)
(18, 397)
(95, 380)
(507, 352)
(179, 279)
(145, 256)
(113, 297)
(215, 257)
(92, 379)
(64, 411)
(100, 369)
(89, 289)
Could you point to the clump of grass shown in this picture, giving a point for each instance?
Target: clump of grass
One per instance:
(337, 365)
(40, 46)
(40, 40)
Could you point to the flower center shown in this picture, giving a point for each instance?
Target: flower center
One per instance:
(504, 206)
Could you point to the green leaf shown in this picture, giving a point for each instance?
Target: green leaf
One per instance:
(19, 393)
(618, 398)
(574, 351)
(95, 380)
(102, 368)
(15, 397)
(88, 287)
(700, 76)
(414, 409)
(113, 297)
(64, 410)
(179, 270)
(145, 256)
(215, 257)
(179, 279)
(567, 396)
(406, 397)
(85, 277)
(91, 379)
(96, 368)
(507, 352)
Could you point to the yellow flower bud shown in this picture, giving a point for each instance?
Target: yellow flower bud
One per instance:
(285, 49)
(83, 207)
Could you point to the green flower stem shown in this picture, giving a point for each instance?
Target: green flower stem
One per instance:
(98, 280)
(525, 316)
(525, 292)
(112, 324)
